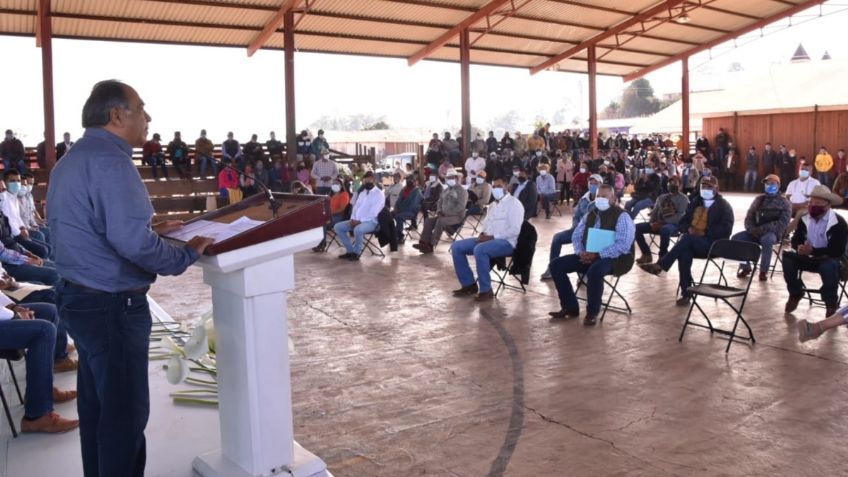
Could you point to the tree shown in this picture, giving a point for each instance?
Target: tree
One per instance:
(638, 99)
(509, 121)
(378, 126)
(613, 111)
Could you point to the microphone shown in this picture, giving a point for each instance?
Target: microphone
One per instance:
(273, 203)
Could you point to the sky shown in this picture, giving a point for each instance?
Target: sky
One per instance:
(188, 88)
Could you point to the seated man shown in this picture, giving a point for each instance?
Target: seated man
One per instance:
(10, 206)
(19, 330)
(527, 195)
(450, 211)
(22, 264)
(585, 205)
(665, 215)
(431, 194)
(407, 206)
(798, 191)
(479, 194)
(708, 218)
(363, 219)
(613, 259)
(819, 244)
(647, 189)
(501, 229)
(765, 223)
(546, 188)
(32, 219)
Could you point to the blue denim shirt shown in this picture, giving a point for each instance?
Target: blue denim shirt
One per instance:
(99, 214)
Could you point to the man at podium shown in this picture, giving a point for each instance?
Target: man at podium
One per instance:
(108, 254)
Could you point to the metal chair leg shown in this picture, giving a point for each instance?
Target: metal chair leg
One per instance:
(15, 381)
(8, 414)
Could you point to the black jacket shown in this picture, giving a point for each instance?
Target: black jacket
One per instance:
(837, 238)
(522, 256)
(719, 218)
(386, 232)
(529, 198)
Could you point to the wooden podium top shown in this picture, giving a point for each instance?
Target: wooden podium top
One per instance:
(297, 213)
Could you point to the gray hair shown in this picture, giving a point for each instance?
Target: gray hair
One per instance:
(105, 96)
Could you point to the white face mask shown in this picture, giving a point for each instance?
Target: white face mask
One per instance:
(582, 170)
(498, 193)
(602, 203)
(480, 180)
(450, 182)
(515, 173)
(543, 173)
(432, 179)
(326, 157)
(336, 188)
(474, 155)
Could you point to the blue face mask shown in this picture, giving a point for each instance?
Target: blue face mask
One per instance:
(707, 194)
(602, 203)
(13, 187)
(804, 174)
(498, 193)
(593, 189)
(649, 171)
(771, 189)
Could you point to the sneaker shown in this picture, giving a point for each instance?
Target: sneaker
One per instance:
(67, 364)
(808, 331)
(547, 274)
(50, 423)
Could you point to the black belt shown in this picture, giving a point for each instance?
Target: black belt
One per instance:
(140, 291)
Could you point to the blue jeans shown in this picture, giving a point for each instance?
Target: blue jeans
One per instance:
(336, 218)
(21, 165)
(824, 178)
(46, 275)
(41, 249)
(400, 218)
(47, 312)
(483, 255)
(665, 233)
(750, 180)
(559, 239)
(38, 337)
(635, 206)
(343, 228)
(827, 268)
(204, 159)
(546, 202)
(158, 160)
(594, 277)
(684, 252)
(767, 241)
(112, 334)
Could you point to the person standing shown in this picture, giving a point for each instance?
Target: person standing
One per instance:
(324, 172)
(109, 253)
(203, 150)
(824, 164)
(752, 163)
(63, 146)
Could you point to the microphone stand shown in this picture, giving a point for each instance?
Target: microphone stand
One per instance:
(273, 203)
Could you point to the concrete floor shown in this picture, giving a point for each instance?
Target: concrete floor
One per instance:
(394, 376)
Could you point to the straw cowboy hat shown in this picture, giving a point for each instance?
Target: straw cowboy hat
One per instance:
(823, 192)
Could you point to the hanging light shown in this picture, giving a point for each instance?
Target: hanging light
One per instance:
(683, 18)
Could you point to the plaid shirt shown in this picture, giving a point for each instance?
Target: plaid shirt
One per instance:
(625, 233)
(323, 168)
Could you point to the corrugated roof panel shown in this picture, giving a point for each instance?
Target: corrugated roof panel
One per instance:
(660, 46)
(148, 32)
(510, 43)
(367, 28)
(17, 23)
(362, 47)
(559, 32)
(628, 57)
(674, 30)
(187, 13)
(715, 19)
(757, 8)
(29, 5)
(547, 9)
(393, 10)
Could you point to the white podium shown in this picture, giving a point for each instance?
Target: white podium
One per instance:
(249, 289)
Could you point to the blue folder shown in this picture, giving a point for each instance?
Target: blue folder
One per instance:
(599, 239)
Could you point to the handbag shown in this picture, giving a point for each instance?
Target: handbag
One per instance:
(764, 216)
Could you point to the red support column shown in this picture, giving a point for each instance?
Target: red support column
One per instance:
(291, 125)
(593, 101)
(46, 34)
(684, 101)
(465, 91)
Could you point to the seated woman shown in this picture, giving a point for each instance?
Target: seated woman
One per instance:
(407, 206)
(228, 183)
(339, 201)
(19, 330)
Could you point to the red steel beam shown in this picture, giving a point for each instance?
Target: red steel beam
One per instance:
(593, 101)
(491, 25)
(439, 42)
(45, 35)
(684, 101)
(730, 36)
(634, 20)
(271, 27)
(291, 126)
(465, 90)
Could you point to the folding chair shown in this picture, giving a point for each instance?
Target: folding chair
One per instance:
(611, 282)
(777, 251)
(475, 221)
(332, 239)
(11, 355)
(370, 243)
(501, 276)
(809, 292)
(725, 250)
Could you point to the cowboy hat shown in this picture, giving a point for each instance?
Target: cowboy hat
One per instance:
(823, 192)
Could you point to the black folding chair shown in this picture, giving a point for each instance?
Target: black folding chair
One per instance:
(611, 283)
(501, 277)
(723, 250)
(11, 355)
(332, 239)
(809, 292)
(777, 251)
(475, 221)
(371, 243)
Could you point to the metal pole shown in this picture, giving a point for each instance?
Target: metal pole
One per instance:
(47, 84)
(465, 90)
(684, 101)
(291, 131)
(593, 101)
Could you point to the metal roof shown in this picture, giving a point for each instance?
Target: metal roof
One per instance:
(631, 37)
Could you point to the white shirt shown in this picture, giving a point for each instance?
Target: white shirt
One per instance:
(476, 165)
(11, 209)
(368, 205)
(504, 218)
(799, 191)
(5, 313)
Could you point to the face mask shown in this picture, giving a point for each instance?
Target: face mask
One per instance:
(368, 185)
(593, 189)
(23, 191)
(432, 179)
(474, 155)
(498, 193)
(707, 194)
(707, 173)
(543, 173)
(515, 173)
(582, 170)
(450, 182)
(522, 179)
(538, 153)
(336, 188)
(674, 189)
(771, 189)
(649, 171)
(816, 211)
(480, 180)
(602, 203)
(13, 187)
(326, 157)
(804, 174)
